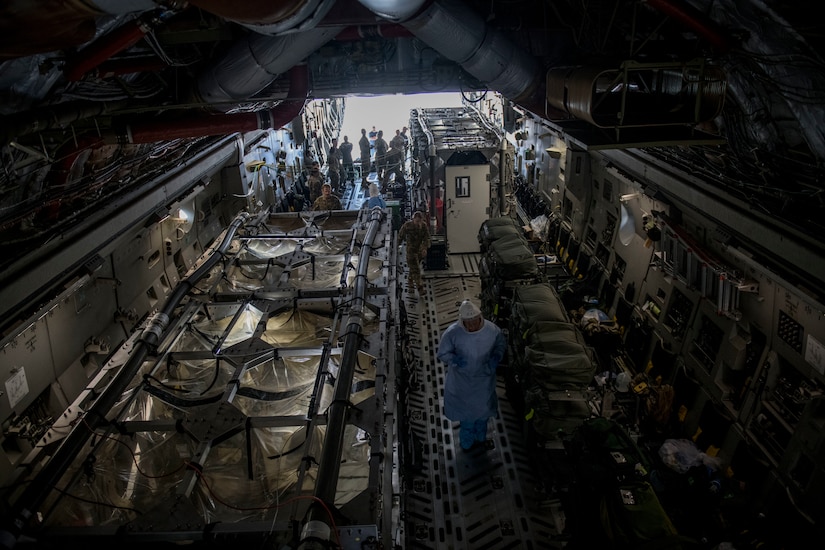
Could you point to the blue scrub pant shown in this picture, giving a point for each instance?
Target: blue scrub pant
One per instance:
(472, 431)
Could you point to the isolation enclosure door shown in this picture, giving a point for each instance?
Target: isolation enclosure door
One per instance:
(467, 204)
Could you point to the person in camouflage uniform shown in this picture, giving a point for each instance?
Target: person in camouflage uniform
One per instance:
(381, 158)
(315, 180)
(334, 165)
(417, 236)
(396, 158)
(327, 201)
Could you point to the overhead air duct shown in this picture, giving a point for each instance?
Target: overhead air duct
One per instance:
(66, 24)
(462, 36)
(267, 17)
(210, 125)
(250, 65)
(638, 94)
(394, 10)
(254, 62)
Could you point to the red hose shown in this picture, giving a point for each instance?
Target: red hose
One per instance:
(694, 19)
(102, 49)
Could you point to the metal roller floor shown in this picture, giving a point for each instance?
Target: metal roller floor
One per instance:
(485, 498)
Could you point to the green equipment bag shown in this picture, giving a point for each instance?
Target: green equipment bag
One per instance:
(614, 487)
(510, 258)
(496, 228)
(556, 415)
(556, 357)
(535, 303)
(633, 517)
(606, 455)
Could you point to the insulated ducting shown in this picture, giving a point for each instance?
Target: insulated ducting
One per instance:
(394, 10)
(638, 94)
(462, 36)
(267, 17)
(254, 11)
(210, 125)
(254, 62)
(67, 24)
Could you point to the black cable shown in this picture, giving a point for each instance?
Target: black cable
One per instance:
(263, 395)
(147, 377)
(89, 501)
(177, 401)
(292, 450)
(214, 378)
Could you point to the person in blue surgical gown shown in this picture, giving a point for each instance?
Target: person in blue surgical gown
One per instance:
(472, 348)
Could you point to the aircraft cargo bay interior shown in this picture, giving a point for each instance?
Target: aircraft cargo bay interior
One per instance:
(565, 292)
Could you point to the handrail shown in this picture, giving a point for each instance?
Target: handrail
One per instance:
(317, 525)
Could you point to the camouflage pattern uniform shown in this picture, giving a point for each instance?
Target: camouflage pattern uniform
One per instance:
(417, 236)
(381, 149)
(396, 158)
(334, 167)
(327, 202)
(314, 183)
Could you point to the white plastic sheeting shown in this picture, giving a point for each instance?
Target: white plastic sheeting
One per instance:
(229, 418)
(129, 475)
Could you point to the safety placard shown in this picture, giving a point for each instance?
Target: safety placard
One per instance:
(16, 386)
(815, 354)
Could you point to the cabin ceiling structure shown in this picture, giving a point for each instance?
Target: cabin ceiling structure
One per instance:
(98, 96)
